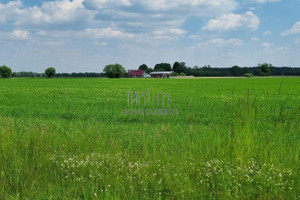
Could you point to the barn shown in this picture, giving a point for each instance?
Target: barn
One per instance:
(160, 74)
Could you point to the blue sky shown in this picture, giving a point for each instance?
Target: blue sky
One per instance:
(79, 35)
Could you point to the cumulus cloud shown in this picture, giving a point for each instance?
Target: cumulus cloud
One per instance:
(19, 34)
(9, 10)
(294, 30)
(147, 16)
(233, 22)
(50, 12)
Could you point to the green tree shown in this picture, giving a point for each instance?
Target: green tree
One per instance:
(179, 67)
(114, 71)
(163, 67)
(264, 69)
(5, 71)
(49, 72)
(236, 71)
(149, 70)
(143, 67)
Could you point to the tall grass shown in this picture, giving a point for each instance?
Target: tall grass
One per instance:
(67, 139)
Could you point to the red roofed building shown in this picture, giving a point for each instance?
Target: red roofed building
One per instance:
(138, 73)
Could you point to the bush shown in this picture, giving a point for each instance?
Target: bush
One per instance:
(50, 72)
(5, 71)
(249, 75)
(174, 74)
(182, 74)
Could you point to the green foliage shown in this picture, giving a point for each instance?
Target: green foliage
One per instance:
(249, 75)
(27, 74)
(114, 71)
(264, 69)
(5, 72)
(174, 74)
(50, 72)
(163, 67)
(143, 67)
(236, 71)
(179, 67)
(182, 74)
(149, 70)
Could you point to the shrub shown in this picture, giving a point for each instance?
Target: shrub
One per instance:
(249, 75)
(174, 74)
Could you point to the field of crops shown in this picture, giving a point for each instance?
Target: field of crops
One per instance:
(69, 139)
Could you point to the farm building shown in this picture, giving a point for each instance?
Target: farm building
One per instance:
(138, 74)
(160, 74)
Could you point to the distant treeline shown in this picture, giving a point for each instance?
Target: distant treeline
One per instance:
(205, 71)
(241, 71)
(80, 74)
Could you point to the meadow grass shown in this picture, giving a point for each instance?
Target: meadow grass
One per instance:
(67, 139)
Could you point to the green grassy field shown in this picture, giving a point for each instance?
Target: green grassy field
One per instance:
(232, 139)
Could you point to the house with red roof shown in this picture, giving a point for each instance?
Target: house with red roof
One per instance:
(138, 74)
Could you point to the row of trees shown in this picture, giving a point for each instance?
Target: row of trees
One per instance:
(178, 68)
(6, 72)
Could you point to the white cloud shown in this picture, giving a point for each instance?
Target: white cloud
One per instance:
(254, 39)
(50, 12)
(175, 4)
(19, 34)
(218, 42)
(99, 4)
(168, 34)
(222, 42)
(165, 5)
(267, 45)
(8, 11)
(267, 32)
(269, 48)
(294, 30)
(175, 31)
(91, 33)
(233, 22)
(108, 32)
(261, 1)
(150, 19)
